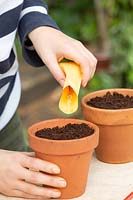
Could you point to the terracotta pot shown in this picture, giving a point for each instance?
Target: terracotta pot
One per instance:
(72, 156)
(104, 61)
(116, 128)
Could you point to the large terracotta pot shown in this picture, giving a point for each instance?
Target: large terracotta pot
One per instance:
(115, 126)
(72, 156)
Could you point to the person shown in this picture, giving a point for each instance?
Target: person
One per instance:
(21, 174)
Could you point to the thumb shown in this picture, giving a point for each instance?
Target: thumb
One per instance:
(55, 69)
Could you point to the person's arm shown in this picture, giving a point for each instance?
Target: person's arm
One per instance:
(33, 15)
(51, 44)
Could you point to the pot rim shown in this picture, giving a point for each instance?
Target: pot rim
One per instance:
(85, 99)
(95, 127)
(66, 143)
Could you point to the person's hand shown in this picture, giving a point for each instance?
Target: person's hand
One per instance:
(53, 45)
(22, 175)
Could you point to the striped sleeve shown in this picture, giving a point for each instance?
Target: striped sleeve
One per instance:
(34, 14)
(9, 17)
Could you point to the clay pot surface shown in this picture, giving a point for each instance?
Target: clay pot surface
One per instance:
(116, 128)
(72, 156)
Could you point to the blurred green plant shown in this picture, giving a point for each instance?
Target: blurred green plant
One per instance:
(75, 18)
(121, 34)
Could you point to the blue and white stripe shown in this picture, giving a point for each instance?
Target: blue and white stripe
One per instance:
(22, 16)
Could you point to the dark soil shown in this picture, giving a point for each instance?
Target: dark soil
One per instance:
(112, 101)
(68, 132)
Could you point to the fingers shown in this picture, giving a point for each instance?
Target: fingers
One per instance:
(37, 191)
(21, 194)
(79, 54)
(87, 62)
(40, 165)
(43, 179)
(53, 66)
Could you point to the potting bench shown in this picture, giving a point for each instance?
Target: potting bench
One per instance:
(105, 182)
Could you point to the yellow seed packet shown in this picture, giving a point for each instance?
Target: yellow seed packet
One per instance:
(69, 98)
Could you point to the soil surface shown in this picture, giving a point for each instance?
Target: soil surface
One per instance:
(68, 132)
(112, 101)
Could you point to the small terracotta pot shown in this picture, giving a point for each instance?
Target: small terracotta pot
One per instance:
(116, 128)
(72, 156)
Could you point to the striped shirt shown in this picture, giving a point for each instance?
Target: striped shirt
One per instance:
(20, 16)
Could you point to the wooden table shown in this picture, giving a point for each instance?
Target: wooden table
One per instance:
(105, 182)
